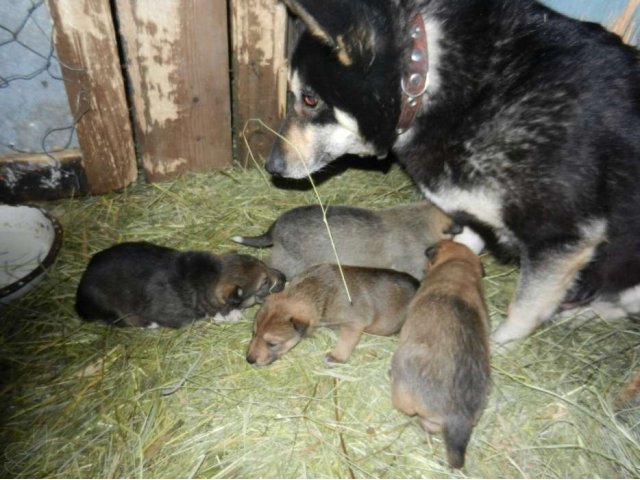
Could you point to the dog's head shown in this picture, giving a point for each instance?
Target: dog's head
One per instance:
(446, 250)
(244, 281)
(279, 325)
(345, 81)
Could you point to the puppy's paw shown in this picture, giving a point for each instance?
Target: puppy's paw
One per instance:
(232, 316)
(329, 358)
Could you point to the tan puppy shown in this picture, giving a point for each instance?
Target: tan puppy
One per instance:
(317, 298)
(440, 371)
(394, 237)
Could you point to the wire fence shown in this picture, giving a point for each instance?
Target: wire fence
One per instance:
(34, 109)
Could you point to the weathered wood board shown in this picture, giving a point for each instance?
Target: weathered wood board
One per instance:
(86, 45)
(31, 177)
(178, 67)
(259, 68)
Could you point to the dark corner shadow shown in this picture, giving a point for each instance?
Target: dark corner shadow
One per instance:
(335, 168)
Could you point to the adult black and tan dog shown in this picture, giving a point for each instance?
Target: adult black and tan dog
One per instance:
(512, 118)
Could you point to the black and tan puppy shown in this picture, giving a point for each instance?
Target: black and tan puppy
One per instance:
(317, 298)
(394, 238)
(146, 285)
(440, 370)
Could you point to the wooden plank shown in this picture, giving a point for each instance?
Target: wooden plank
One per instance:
(258, 39)
(86, 45)
(626, 25)
(29, 177)
(178, 66)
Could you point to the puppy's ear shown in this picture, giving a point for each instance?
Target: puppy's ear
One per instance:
(431, 251)
(299, 326)
(228, 296)
(341, 24)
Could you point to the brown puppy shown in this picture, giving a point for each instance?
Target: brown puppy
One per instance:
(317, 298)
(440, 370)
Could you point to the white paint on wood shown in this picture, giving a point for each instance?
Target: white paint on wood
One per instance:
(166, 167)
(151, 34)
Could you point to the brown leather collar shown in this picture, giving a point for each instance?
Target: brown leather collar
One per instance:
(415, 80)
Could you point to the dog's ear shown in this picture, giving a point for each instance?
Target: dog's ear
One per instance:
(229, 297)
(299, 326)
(340, 24)
(453, 229)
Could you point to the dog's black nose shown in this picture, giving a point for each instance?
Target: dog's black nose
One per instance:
(275, 162)
(250, 359)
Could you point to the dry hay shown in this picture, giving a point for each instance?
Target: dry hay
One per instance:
(88, 400)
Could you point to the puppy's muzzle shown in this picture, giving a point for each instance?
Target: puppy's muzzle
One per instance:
(251, 360)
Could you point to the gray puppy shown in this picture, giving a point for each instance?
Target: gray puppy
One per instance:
(393, 238)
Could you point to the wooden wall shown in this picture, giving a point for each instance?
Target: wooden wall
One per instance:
(177, 62)
(258, 46)
(169, 86)
(86, 44)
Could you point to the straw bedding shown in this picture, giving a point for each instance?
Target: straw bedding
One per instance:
(88, 400)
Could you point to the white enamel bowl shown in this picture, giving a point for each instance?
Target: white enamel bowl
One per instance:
(29, 242)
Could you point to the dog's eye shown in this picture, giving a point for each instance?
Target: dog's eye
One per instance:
(271, 345)
(310, 100)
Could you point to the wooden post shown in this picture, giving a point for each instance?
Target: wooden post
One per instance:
(624, 24)
(178, 67)
(258, 38)
(86, 45)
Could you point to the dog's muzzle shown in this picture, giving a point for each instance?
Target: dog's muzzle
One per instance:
(275, 163)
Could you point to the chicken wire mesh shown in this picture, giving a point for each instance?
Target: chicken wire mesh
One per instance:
(36, 117)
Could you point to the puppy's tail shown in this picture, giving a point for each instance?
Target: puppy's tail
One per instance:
(456, 432)
(260, 241)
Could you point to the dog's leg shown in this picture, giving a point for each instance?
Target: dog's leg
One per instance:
(348, 338)
(544, 281)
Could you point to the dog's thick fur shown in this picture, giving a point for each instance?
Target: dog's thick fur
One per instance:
(393, 238)
(146, 285)
(529, 131)
(440, 370)
(317, 298)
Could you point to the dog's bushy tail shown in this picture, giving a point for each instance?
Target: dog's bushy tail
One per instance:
(260, 241)
(456, 431)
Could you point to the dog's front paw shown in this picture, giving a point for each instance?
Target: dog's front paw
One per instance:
(506, 336)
